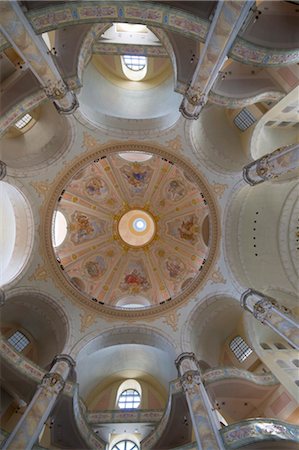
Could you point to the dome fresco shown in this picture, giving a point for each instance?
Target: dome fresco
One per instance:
(134, 231)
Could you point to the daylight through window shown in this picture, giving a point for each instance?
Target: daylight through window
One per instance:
(240, 349)
(125, 445)
(23, 121)
(129, 399)
(19, 341)
(135, 62)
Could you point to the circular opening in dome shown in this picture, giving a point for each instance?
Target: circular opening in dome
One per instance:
(136, 228)
(139, 224)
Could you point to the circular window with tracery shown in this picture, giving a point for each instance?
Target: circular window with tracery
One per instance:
(125, 445)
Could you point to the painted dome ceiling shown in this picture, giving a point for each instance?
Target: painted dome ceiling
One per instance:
(134, 229)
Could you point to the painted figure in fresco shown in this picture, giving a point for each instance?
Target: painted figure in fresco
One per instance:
(134, 282)
(175, 190)
(95, 268)
(96, 187)
(189, 229)
(175, 268)
(82, 228)
(136, 175)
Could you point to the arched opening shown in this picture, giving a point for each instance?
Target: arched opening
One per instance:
(16, 232)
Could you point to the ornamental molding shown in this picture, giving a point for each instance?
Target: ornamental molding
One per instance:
(172, 319)
(190, 381)
(236, 103)
(95, 151)
(158, 15)
(53, 383)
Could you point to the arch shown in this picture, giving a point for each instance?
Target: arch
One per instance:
(198, 335)
(127, 352)
(123, 335)
(43, 144)
(42, 317)
(17, 231)
(217, 141)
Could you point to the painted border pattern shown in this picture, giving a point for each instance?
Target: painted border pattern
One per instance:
(118, 416)
(57, 16)
(256, 430)
(231, 373)
(235, 103)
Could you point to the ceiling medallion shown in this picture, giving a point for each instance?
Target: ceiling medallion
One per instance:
(140, 235)
(137, 228)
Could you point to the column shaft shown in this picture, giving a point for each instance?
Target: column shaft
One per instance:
(31, 423)
(269, 312)
(204, 422)
(17, 30)
(282, 162)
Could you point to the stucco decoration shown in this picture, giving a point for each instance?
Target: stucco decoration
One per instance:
(96, 263)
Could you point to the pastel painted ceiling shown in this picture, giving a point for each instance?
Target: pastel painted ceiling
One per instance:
(95, 257)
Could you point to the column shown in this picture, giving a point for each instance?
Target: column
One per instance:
(283, 161)
(31, 423)
(228, 18)
(17, 30)
(269, 312)
(205, 423)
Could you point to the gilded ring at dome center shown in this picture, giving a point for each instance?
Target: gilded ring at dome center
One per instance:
(129, 232)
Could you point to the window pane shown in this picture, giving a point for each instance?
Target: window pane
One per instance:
(23, 121)
(129, 399)
(135, 62)
(125, 445)
(19, 341)
(240, 349)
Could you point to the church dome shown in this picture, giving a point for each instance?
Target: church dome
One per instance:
(132, 230)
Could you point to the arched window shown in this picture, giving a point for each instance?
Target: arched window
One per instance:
(135, 62)
(18, 340)
(240, 349)
(134, 67)
(125, 445)
(129, 395)
(129, 399)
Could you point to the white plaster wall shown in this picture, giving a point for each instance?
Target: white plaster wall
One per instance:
(253, 246)
(104, 103)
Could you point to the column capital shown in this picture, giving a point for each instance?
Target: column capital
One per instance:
(184, 355)
(66, 358)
